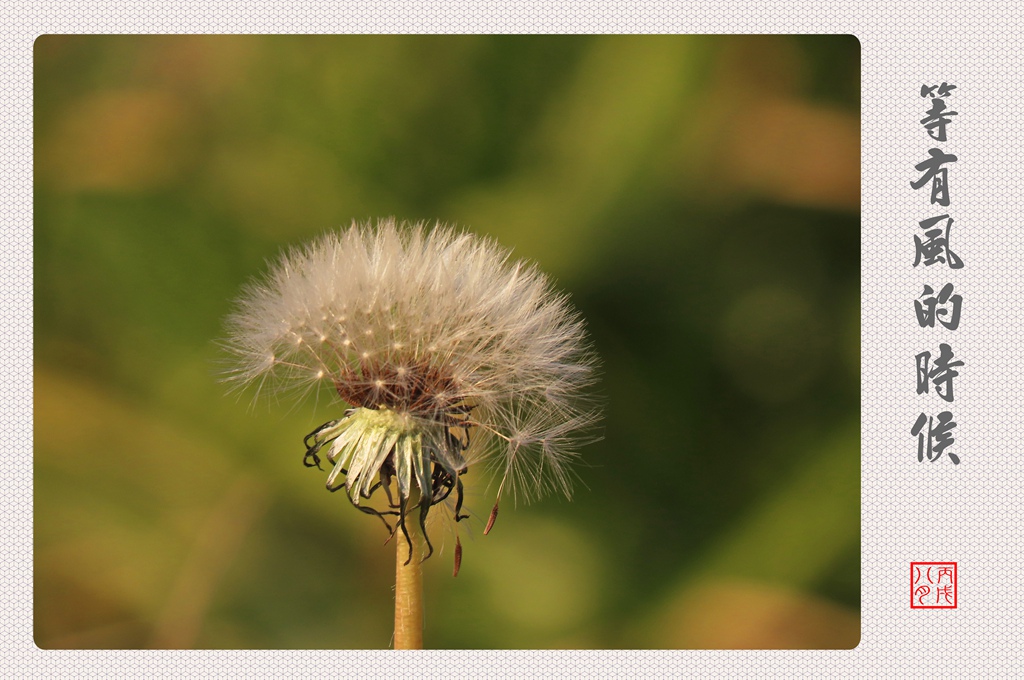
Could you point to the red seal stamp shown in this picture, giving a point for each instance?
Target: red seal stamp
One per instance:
(933, 585)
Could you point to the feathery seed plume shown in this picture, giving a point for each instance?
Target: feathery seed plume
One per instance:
(446, 350)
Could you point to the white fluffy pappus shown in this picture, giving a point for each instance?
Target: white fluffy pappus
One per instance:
(448, 352)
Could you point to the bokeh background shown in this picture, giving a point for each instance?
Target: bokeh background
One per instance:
(698, 197)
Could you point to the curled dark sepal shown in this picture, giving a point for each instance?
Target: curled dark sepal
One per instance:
(458, 502)
(371, 511)
(405, 532)
(424, 510)
(314, 448)
(311, 453)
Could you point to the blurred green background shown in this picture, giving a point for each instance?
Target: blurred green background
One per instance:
(697, 196)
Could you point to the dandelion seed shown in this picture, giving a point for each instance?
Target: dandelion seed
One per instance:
(480, 361)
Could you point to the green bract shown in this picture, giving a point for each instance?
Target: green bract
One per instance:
(372, 446)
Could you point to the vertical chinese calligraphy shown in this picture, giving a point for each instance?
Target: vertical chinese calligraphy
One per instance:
(933, 248)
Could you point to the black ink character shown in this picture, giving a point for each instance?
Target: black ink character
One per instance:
(936, 174)
(944, 308)
(939, 436)
(937, 119)
(935, 245)
(941, 373)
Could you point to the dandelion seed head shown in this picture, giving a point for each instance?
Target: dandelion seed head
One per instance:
(434, 327)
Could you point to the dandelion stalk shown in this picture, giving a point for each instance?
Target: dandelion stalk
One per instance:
(450, 356)
(409, 591)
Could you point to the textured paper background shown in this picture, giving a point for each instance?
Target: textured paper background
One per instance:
(911, 512)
